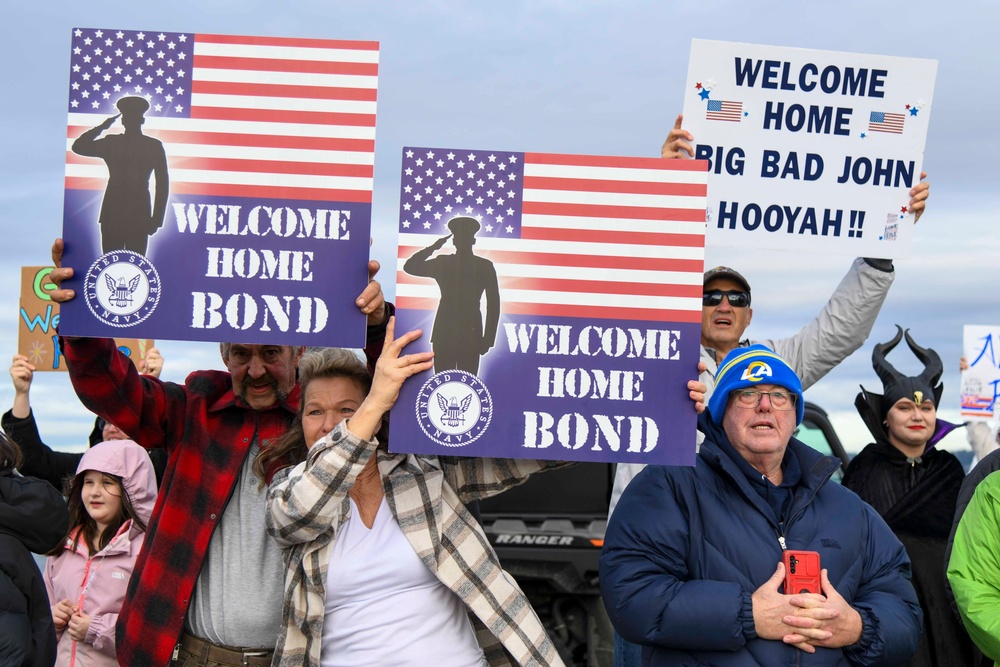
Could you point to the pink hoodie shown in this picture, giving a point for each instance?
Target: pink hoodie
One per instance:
(108, 571)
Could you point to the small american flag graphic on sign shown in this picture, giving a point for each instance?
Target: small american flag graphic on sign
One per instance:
(724, 110)
(881, 121)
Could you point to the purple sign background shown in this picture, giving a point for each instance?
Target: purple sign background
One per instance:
(337, 273)
(643, 415)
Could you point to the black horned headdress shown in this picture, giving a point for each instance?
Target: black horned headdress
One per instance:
(874, 407)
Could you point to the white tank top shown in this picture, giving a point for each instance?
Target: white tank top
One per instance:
(385, 607)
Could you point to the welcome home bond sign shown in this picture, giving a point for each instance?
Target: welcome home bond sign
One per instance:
(218, 187)
(810, 150)
(561, 296)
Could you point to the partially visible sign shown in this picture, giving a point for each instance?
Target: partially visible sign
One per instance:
(981, 380)
(38, 317)
(810, 150)
(561, 295)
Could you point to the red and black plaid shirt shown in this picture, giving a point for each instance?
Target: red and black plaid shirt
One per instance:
(207, 432)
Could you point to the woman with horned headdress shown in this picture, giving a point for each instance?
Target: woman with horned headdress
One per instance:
(914, 487)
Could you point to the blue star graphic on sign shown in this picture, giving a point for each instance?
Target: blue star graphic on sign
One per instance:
(703, 94)
(913, 111)
(863, 135)
(746, 113)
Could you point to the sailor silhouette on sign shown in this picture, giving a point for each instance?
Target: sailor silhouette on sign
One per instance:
(127, 218)
(460, 336)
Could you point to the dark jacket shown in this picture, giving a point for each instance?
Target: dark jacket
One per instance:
(54, 467)
(33, 518)
(917, 497)
(687, 547)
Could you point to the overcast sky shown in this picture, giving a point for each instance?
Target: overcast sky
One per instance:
(572, 77)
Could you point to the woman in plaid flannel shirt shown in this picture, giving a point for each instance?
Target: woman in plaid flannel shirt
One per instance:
(345, 477)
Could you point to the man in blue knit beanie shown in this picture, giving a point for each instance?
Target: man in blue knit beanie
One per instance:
(751, 368)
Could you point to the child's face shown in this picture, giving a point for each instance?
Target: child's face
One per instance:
(102, 496)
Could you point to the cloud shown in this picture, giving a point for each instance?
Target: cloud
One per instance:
(563, 76)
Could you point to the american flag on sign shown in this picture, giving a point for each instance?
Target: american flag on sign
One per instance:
(723, 110)
(977, 406)
(569, 235)
(881, 121)
(257, 117)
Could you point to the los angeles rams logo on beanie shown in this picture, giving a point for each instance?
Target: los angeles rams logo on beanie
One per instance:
(749, 366)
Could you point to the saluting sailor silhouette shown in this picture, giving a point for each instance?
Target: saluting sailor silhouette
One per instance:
(460, 335)
(128, 218)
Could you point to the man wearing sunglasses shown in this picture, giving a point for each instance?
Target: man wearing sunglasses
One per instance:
(839, 329)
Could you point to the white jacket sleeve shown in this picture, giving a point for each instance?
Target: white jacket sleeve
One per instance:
(307, 501)
(840, 328)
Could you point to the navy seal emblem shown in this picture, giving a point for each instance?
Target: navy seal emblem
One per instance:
(122, 288)
(454, 408)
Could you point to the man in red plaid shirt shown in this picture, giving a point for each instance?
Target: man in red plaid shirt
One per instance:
(206, 588)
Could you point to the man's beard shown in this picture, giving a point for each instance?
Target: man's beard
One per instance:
(266, 380)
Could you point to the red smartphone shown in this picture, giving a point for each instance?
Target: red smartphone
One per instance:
(801, 572)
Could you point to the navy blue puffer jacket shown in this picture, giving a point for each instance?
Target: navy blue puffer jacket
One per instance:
(687, 547)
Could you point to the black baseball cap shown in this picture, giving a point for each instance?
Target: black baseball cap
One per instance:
(726, 272)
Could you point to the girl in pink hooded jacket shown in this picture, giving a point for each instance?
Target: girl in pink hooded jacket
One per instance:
(110, 500)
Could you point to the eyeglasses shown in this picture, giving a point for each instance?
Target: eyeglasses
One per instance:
(736, 298)
(750, 398)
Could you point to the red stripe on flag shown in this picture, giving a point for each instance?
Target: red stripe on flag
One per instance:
(280, 90)
(283, 116)
(248, 191)
(270, 192)
(611, 211)
(558, 310)
(254, 166)
(622, 162)
(601, 312)
(580, 286)
(79, 183)
(271, 167)
(288, 41)
(256, 140)
(591, 261)
(613, 236)
(601, 185)
(600, 287)
(282, 65)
